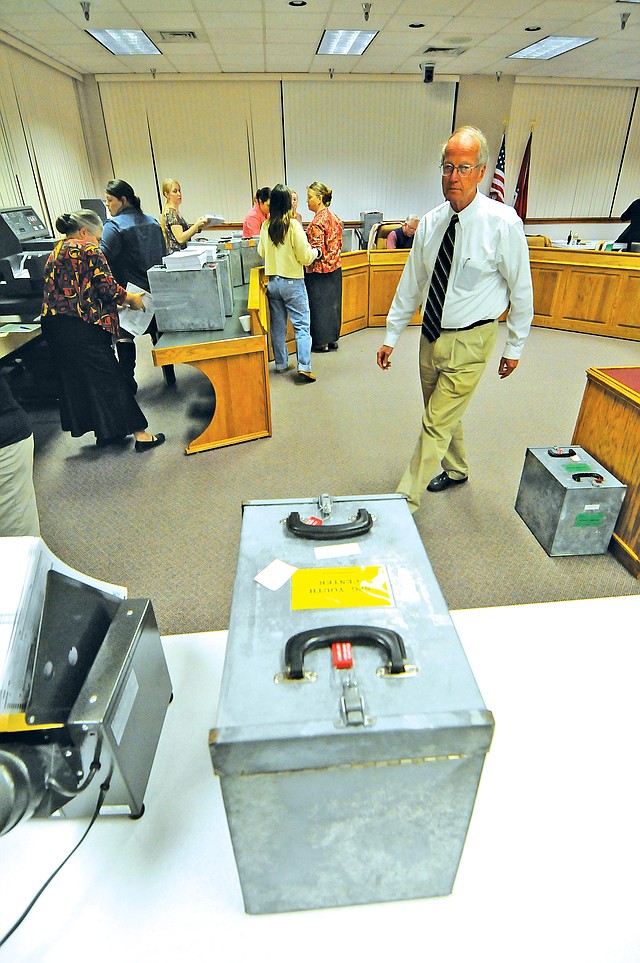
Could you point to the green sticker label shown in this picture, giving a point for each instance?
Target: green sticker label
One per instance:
(589, 519)
(575, 466)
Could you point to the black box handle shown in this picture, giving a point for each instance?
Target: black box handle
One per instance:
(302, 642)
(325, 533)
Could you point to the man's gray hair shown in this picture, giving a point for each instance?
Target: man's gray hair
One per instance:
(411, 217)
(473, 133)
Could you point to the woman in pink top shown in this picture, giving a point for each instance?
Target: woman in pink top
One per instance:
(258, 214)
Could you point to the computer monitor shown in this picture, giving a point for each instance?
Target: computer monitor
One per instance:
(97, 205)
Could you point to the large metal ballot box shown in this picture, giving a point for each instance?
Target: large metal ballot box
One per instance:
(351, 733)
(568, 500)
(190, 300)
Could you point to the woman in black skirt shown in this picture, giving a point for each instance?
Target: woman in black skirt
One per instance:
(79, 317)
(324, 277)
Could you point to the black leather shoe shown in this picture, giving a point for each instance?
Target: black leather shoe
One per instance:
(333, 346)
(442, 481)
(153, 443)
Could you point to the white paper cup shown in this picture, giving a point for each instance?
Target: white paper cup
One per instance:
(245, 321)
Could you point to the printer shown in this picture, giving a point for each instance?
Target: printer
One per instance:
(25, 244)
(84, 689)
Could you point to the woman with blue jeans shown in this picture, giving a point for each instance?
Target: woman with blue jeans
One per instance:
(285, 249)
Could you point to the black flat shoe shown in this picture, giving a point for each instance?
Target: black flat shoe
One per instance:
(155, 441)
(321, 347)
(442, 481)
(333, 346)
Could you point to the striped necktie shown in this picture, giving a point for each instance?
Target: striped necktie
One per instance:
(432, 317)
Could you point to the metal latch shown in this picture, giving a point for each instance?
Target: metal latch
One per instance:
(325, 504)
(352, 705)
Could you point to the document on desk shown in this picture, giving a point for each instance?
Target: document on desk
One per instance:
(137, 322)
(191, 259)
(24, 563)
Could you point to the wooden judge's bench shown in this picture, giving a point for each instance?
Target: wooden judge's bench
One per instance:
(608, 427)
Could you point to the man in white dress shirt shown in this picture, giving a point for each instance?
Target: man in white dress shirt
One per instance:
(489, 280)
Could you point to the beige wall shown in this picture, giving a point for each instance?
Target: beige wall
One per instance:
(485, 102)
(95, 133)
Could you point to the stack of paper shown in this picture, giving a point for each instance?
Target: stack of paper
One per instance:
(24, 563)
(191, 259)
(213, 219)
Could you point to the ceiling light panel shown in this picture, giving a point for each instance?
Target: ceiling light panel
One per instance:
(345, 42)
(125, 42)
(549, 47)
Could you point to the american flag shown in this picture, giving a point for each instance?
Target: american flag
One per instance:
(496, 191)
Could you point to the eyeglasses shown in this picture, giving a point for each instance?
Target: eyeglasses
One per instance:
(463, 169)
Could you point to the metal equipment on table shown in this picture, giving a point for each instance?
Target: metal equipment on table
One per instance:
(568, 500)
(351, 733)
(368, 219)
(25, 244)
(250, 257)
(189, 300)
(233, 247)
(84, 689)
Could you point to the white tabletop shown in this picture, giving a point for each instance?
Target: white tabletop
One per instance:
(550, 867)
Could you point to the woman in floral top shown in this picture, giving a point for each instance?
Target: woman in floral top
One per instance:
(174, 227)
(79, 316)
(324, 277)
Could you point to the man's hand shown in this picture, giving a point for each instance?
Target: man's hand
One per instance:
(384, 356)
(506, 366)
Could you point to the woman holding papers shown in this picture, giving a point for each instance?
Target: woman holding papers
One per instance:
(132, 242)
(79, 318)
(174, 227)
(286, 250)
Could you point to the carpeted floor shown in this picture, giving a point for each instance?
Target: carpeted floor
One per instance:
(167, 525)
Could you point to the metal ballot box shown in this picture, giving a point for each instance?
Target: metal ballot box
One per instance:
(351, 733)
(187, 300)
(250, 257)
(233, 247)
(568, 500)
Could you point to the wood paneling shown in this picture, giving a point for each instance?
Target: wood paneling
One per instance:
(608, 427)
(594, 292)
(355, 291)
(385, 269)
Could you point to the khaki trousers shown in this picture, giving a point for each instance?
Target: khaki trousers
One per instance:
(18, 511)
(450, 370)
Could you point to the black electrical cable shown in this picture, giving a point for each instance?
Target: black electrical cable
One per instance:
(104, 789)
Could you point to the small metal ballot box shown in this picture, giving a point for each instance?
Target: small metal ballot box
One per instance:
(351, 733)
(250, 256)
(232, 246)
(568, 500)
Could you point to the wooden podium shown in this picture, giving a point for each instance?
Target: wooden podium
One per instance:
(608, 427)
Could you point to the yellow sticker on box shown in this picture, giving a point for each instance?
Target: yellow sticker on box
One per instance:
(359, 586)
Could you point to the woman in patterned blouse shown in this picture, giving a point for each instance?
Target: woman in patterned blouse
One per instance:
(324, 277)
(174, 227)
(79, 316)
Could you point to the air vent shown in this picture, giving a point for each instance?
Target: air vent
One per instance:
(445, 51)
(176, 36)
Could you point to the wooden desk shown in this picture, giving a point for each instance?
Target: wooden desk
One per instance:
(608, 427)
(235, 363)
(595, 292)
(13, 337)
